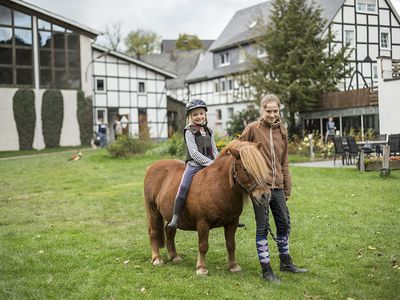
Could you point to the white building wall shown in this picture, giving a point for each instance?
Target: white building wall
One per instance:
(122, 94)
(8, 128)
(70, 134)
(389, 103)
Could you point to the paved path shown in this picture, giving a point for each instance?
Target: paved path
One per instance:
(323, 164)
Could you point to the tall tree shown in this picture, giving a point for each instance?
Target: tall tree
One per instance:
(300, 64)
(113, 35)
(188, 42)
(141, 42)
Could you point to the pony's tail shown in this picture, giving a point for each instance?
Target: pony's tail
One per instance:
(154, 220)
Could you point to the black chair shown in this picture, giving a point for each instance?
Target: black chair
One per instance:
(380, 138)
(394, 143)
(353, 148)
(339, 150)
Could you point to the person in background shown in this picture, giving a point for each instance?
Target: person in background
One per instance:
(272, 134)
(117, 127)
(330, 130)
(103, 133)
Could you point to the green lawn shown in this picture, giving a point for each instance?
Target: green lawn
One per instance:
(77, 230)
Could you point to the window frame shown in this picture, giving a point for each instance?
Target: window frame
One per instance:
(104, 85)
(353, 40)
(224, 59)
(144, 87)
(366, 5)
(388, 46)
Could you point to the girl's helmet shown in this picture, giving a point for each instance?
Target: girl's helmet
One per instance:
(195, 103)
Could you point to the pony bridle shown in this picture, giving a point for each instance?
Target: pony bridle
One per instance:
(248, 190)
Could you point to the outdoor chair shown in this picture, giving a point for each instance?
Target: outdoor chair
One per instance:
(353, 152)
(380, 138)
(394, 143)
(339, 150)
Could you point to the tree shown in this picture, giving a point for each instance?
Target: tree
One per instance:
(112, 35)
(300, 64)
(142, 42)
(241, 119)
(188, 42)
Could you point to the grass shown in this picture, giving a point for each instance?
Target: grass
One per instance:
(77, 230)
(6, 154)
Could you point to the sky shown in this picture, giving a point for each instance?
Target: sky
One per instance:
(167, 18)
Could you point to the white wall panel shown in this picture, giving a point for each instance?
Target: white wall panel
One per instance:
(112, 99)
(372, 19)
(8, 129)
(141, 72)
(123, 70)
(112, 69)
(361, 19)
(134, 101)
(373, 35)
(151, 85)
(396, 35)
(100, 100)
(394, 20)
(99, 69)
(142, 101)
(123, 84)
(338, 17)
(160, 85)
(362, 34)
(396, 52)
(348, 14)
(70, 134)
(152, 100)
(384, 17)
(112, 84)
(373, 51)
(124, 99)
(152, 115)
(361, 51)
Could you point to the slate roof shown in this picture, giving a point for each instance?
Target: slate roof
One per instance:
(127, 58)
(177, 62)
(237, 32)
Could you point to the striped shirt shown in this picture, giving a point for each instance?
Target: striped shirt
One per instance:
(198, 158)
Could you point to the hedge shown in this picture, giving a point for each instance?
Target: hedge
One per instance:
(52, 117)
(25, 117)
(85, 118)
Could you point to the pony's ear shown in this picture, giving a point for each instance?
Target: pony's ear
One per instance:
(235, 153)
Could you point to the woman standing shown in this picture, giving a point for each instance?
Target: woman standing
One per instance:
(271, 133)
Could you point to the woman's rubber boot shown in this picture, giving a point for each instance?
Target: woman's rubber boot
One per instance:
(268, 274)
(288, 266)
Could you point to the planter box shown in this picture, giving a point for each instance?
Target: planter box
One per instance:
(377, 165)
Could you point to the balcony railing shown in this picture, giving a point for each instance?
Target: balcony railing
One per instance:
(348, 99)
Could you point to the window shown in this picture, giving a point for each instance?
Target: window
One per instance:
(224, 59)
(223, 85)
(216, 87)
(242, 56)
(385, 40)
(349, 38)
(16, 53)
(142, 87)
(368, 6)
(100, 85)
(101, 115)
(375, 72)
(218, 115)
(230, 84)
(230, 112)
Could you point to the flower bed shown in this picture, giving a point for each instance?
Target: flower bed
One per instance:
(375, 163)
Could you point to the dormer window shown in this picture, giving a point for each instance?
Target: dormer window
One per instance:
(261, 52)
(368, 6)
(224, 59)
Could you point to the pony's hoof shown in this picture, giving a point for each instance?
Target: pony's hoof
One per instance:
(235, 269)
(202, 272)
(176, 259)
(158, 262)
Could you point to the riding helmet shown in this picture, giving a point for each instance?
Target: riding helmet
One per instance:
(195, 103)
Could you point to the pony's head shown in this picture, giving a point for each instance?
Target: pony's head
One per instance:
(249, 169)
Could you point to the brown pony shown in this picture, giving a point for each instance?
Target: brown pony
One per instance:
(214, 199)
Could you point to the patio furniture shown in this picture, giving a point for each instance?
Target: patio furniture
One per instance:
(353, 149)
(339, 150)
(394, 143)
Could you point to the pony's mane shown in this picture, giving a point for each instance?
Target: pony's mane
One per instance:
(251, 157)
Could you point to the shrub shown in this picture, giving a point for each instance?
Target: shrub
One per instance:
(25, 117)
(222, 141)
(52, 117)
(174, 146)
(126, 146)
(241, 119)
(85, 117)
